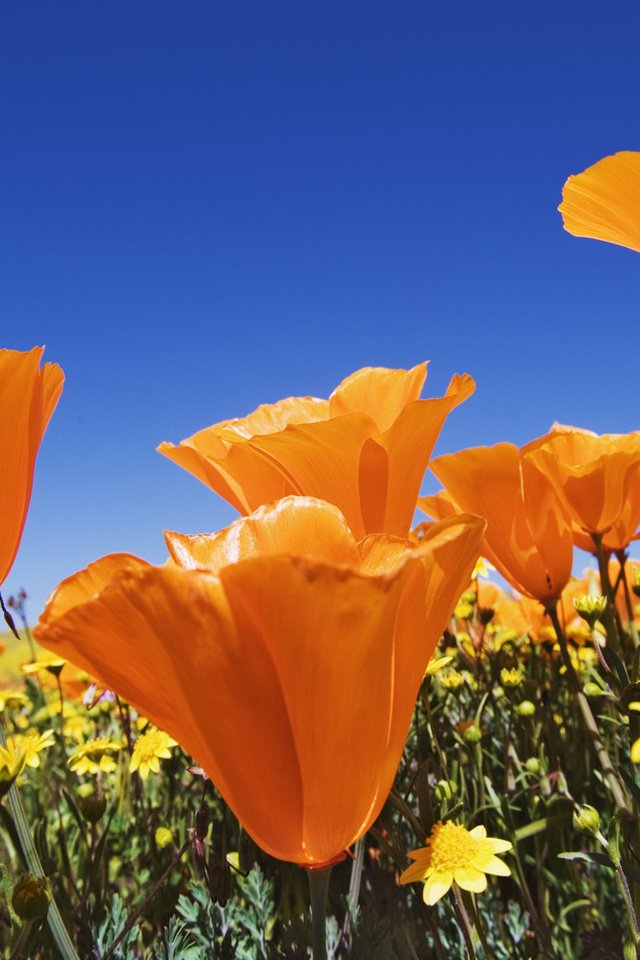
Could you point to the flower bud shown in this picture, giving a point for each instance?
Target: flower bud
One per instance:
(31, 897)
(445, 790)
(526, 708)
(591, 609)
(587, 819)
(93, 807)
(592, 689)
(472, 734)
(532, 765)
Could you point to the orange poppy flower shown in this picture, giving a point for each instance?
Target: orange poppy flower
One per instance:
(281, 653)
(365, 448)
(528, 536)
(596, 477)
(28, 396)
(603, 202)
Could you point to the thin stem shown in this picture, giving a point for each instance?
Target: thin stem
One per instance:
(318, 892)
(30, 854)
(617, 791)
(20, 943)
(610, 624)
(465, 923)
(142, 906)
(354, 889)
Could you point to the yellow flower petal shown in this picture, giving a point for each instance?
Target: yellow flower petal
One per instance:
(436, 886)
(471, 879)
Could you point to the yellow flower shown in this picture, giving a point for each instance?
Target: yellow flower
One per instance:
(452, 679)
(11, 765)
(463, 610)
(31, 744)
(45, 661)
(635, 751)
(148, 750)
(435, 664)
(163, 837)
(456, 855)
(510, 678)
(482, 569)
(94, 756)
(12, 699)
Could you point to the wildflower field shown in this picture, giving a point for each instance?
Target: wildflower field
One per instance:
(327, 730)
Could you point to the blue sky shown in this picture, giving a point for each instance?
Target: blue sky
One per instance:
(207, 206)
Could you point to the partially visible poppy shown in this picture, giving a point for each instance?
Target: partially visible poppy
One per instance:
(365, 448)
(284, 655)
(597, 478)
(528, 537)
(28, 397)
(603, 202)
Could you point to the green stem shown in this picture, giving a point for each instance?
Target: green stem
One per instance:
(589, 721)
(54, 919)
(318, 892)
(613, 636)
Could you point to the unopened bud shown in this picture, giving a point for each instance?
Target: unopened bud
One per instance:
(31, 897)
(587, 819)
(445, 790)
(526, 708)
(92, 808)
(472, 734)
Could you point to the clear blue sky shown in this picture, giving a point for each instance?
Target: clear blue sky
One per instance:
(206, 206)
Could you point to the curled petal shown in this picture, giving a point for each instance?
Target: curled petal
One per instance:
(603, 202)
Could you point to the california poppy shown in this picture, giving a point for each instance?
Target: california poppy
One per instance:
(597, 478)
(528, 536)
(28, 397)
(281, 653)
(365, 448)
(603, 202)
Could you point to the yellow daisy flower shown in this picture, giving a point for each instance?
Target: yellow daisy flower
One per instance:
(45, 661)
(435, 664)
(94, 756)
(31, 744)
(456, 855)
(12, 699)
(11, 765)
(148, 750)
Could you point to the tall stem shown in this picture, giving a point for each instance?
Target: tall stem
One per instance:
(617, 791)
(319, 891)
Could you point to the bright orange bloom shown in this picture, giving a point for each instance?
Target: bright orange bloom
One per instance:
(28, 396)
(365, 448)
(281, 653)
(528, 537)
(596, 477)
(603, 202)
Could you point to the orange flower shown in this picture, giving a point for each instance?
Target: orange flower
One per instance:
(528, 537)
(365, 448)
(28, 396)
(281, 653)
(596, 477)
(603, 202)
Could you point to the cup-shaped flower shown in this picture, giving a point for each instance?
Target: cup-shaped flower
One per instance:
(281, 653)
(28, 396)
(603, 202)
(365, 448)
(528, 537)
(597, 478)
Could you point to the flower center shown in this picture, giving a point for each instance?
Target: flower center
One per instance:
(452, 846)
